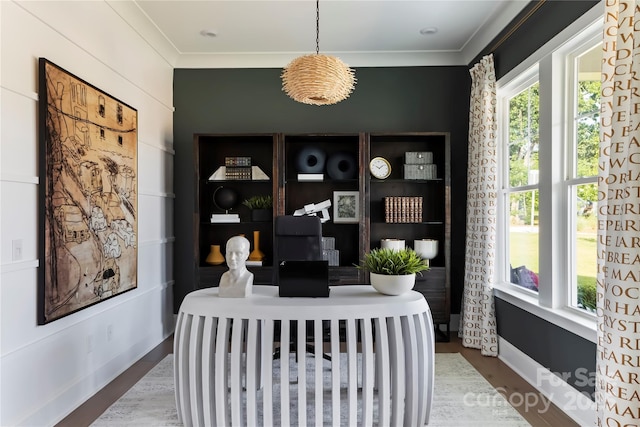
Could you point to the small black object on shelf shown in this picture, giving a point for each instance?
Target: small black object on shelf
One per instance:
(311, 160)
(225, 198)
(342, 165)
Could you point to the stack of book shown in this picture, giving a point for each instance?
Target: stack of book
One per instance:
(238, 168)
(403, 209)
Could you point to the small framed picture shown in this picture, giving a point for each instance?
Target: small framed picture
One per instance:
(346, 206)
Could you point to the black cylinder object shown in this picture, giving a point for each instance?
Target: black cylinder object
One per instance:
(311, 160)
(342, 165)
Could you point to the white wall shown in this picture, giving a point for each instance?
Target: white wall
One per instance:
(47, 371)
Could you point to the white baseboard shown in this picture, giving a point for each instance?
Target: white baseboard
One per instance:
(572, 402)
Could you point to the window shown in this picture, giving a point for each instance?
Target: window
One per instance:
(582, 172)
(548, 116)
(521, 178)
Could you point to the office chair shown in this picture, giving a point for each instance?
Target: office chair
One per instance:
(297, 238)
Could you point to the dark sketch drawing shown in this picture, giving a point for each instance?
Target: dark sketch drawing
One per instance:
(346, 206)
(88, 212)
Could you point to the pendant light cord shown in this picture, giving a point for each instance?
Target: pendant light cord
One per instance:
(317, 27)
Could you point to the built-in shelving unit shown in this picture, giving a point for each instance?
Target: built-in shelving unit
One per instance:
(210, 154)
(436, 216)
(295, 193)
(278, 156)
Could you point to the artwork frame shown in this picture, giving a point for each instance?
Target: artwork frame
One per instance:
(88, 194)
(346, 207)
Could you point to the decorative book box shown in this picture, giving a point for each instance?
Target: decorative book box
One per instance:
(407, 209)
(418, 157)
(420, 172)
(419, 165)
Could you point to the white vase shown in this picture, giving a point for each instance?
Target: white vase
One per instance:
(392, 285)
(426, 248)
(395, 244)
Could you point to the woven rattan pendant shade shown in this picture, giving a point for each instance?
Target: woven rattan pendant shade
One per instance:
(318, 79)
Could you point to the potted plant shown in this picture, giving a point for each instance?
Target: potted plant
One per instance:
(261, 207)
(393, 271)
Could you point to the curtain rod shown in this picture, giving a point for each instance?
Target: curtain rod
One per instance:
(517, 25)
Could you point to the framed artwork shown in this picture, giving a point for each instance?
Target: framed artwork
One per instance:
(88, 194)
(346, 206)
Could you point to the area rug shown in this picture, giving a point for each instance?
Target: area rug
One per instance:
(462, 397)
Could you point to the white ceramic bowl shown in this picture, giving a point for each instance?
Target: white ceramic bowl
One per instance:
(392, 285)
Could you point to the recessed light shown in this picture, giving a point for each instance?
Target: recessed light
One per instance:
(428, 30)
(208, 33)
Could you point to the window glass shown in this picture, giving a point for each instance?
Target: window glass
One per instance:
(523, 172)
(584, 242)
(588, 112)
(523, 135)
(523, 239)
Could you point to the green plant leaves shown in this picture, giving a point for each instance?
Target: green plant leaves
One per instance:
(393, 262)
(259, 202)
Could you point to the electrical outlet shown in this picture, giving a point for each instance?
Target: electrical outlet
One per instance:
(109, 332)
(16, 250)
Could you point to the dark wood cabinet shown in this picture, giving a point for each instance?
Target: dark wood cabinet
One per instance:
(211, 152)
(435, 221)
(296, 193)
(279, 156)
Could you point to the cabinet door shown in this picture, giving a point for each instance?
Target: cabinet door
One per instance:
(222, 192)
(325, 169)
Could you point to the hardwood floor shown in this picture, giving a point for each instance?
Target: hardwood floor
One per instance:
(496, 372)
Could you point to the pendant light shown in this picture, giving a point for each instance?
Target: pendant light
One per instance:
(318, 79)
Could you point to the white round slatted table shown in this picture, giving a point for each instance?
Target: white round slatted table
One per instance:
(224, 347)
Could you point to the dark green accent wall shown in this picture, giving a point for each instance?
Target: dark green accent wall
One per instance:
(393, 99)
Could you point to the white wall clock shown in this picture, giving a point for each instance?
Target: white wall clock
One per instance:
(380, 167)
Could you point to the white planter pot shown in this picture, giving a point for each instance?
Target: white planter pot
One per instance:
(392, 285)
(426, 248)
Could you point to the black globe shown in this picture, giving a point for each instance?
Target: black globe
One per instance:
(225, 198)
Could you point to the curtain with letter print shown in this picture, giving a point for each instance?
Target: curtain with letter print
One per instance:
(618, 297)
(478, 321)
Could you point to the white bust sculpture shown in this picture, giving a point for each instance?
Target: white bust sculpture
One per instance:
(238, 281)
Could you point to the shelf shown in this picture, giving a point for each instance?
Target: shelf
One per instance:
(324, 181)
(243, 181)
(234, 223)
(411, 223)
(405, 181)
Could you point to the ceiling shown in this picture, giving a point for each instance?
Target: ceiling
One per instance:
(267, 33)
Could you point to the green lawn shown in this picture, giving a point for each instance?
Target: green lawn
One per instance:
(524, 251)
